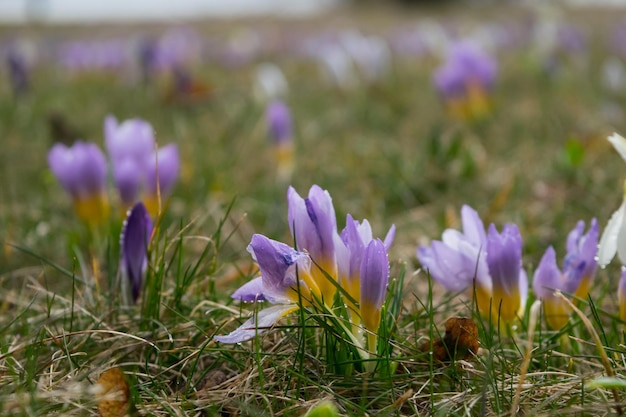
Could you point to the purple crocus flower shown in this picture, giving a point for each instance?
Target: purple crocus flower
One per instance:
(81, 169)
(491, 261)
(135, 240)
(374, 276)
(355, 238)
(313, 226)
(579, 268)
(509, 283)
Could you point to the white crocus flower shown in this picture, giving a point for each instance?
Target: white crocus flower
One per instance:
(614, 236)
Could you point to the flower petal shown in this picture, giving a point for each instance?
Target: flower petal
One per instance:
(547, 275)
(258, 324)
(619, 143)
(250, 291)
(608, 242)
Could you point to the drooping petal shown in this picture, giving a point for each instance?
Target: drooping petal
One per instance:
(135, 240)
(257, 325)
(250, 291)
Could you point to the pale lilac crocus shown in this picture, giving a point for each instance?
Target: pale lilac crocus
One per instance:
(579, 268)
(134, 243)
(313, 226)
(491, 261)
(140, 171)
(81, 169)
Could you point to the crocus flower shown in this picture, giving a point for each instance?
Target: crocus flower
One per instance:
(374, 276)
(355, 239)
(313, 226)
(285, 281)
(134, 242)
(490, 260)
(140, 171)
(293, 278)
(465, 80)
(613, 238)
(579, 267)
(278, 119)
(81, 169)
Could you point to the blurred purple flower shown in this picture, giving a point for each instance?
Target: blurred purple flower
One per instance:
(139, 170)
(81, 169)
(579, 267)
(101, 55)
(134, 243)
(278, 119)
(18, 71)
(466, 79)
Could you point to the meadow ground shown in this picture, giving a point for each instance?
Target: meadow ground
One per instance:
(386, 150)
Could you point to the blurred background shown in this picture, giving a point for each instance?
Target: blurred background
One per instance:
(77, 11)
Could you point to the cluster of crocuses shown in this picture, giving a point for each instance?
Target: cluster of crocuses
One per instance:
(325, 267)
(489, 266)
(140, 171)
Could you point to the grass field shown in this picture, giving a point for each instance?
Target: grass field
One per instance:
(386, 150)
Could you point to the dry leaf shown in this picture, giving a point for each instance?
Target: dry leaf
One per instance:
(113, 395)
(459, 342)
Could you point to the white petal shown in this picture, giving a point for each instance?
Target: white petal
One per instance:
(257, 324)
(608, 241)
(619, 143)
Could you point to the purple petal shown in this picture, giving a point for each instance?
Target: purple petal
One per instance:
(133, 138)
(250, 291)
(128, 177)
(166, 164)
(504, 257)
(390, 237)
(135, 240)
(473, 227)
(278, 263)
(374, 274)
(547, 276)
